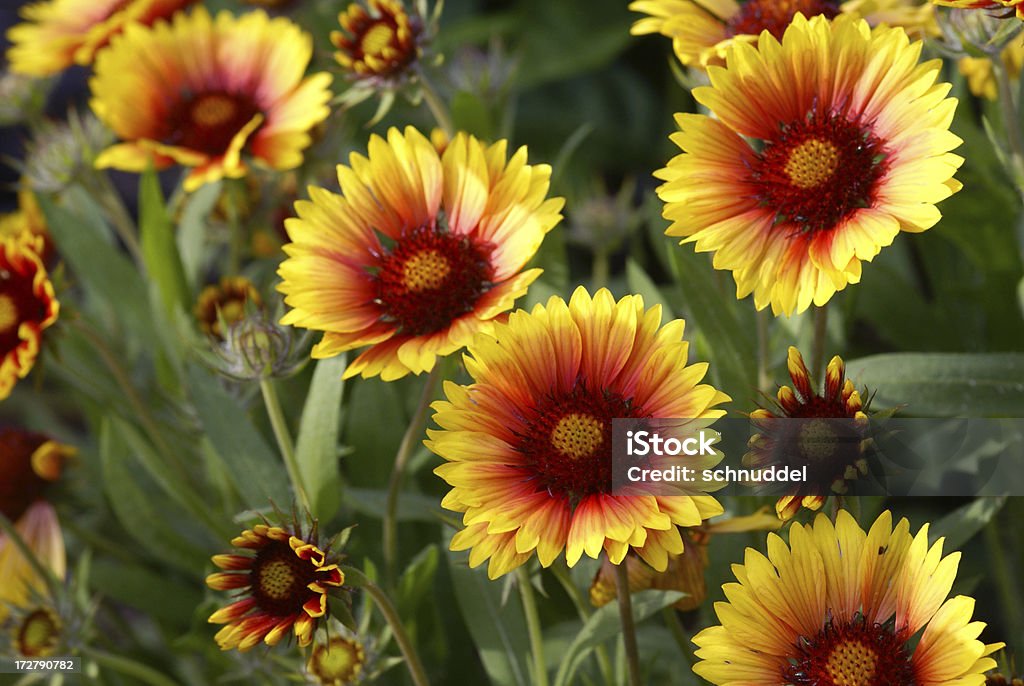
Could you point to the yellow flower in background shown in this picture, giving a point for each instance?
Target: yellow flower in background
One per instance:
(27, 307)
(528, 444)
(29, 464)
(209, 93)
(821, 150)
(702, 31)
(420, 251)
(59, 33)
(380, 40)
(283, 587)
(985, 5)
(832, 452)
(841, 606)
(225, 303)
(27, 222)
(340, 661)
(980, 76)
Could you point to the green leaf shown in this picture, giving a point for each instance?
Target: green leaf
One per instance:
(416, 582)
(193, 229)
(170, 603)
(470, 114)
(960, 525)
(944, 384)
(257, 470)
(605, 624)
(639, 282)
(316, 448)
(159, 246)
(497, 629)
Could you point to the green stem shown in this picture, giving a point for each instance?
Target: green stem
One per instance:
(675, 627)
(1011, 122)
(533, 628)
(561, 573)
(628, 625)
(384, 604)
(437, 106)
(818, 344)
(763, 378)
(1005, 581)
(236, 240)
(111, 201)
(284, 440)
(601, 269)
(412, 436)
(130, 668)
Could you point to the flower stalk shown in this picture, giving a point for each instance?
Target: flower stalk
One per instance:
(284, 440)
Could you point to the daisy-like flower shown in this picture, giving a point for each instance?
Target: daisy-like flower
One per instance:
(839, 606)
(59, 33)
(380, 41)
(827, 436)
(283, 586)
(528, 444)
(419, 253)
(340, 661)
(981, 76)
(225, 303)
(38, 633)
(702, 31)
(27, 307)
(822, 149)
(29, 464)
(210, 94)
(986, 5)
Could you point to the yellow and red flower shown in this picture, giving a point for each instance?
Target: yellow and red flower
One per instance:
(420, 252)
(380, 41)
(821, 150)
(209, 93)
(27, 220)
(59, 33)
(832, 451)
(841, 606)
(225, 303)
(985, 5)
(528, 444)
(29, 464)
(702, 31)
(283, 587)
(27, 307)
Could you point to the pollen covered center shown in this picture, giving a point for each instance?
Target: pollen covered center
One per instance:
(425, 271)
(277, 579)
(8, 313)
(852, 663)
(812, 163)
(214, 109)
(340, 661)
(377, 38)
(577, 435)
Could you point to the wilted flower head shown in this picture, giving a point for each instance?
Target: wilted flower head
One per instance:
(20, 97)
(973, 33)
(59, 152)
(224, 304)
(601, 222)
(257, 347)
(340, 661)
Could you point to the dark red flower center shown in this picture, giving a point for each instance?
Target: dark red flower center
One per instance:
(207, 122)
(382, 43)
(568, 447)
(852, 654)
(279, 580)
(818, 170)
(18, 304)
(774, 16)
(20, 486)
(431, 277)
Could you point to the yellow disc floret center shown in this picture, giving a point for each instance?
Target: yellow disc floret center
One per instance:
(577, 435)
(818, 439)
(39, 634)
(376, 38)
(8, 313)
(425, 271)
(812, 163)
(213, 109)
(852, 663)
(277, 579)
(340, 661)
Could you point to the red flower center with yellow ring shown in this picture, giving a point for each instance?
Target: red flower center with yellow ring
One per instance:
(279, 580)
(854, 654)
(18, 303)
(567, 448)
(818, 171)
(774, 16)
(430, 277)
(8, 313)
(207, 122)
(339, 661)
(39, 634)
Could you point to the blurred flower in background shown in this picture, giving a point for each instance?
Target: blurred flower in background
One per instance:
(29, 464)
(980, 73)
(1005, 6)
(225, 92)
(419, 253)
(224, 304)
(339, 661)
(59, 33)
(843, 163)
(27, 223)
(59, 153)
